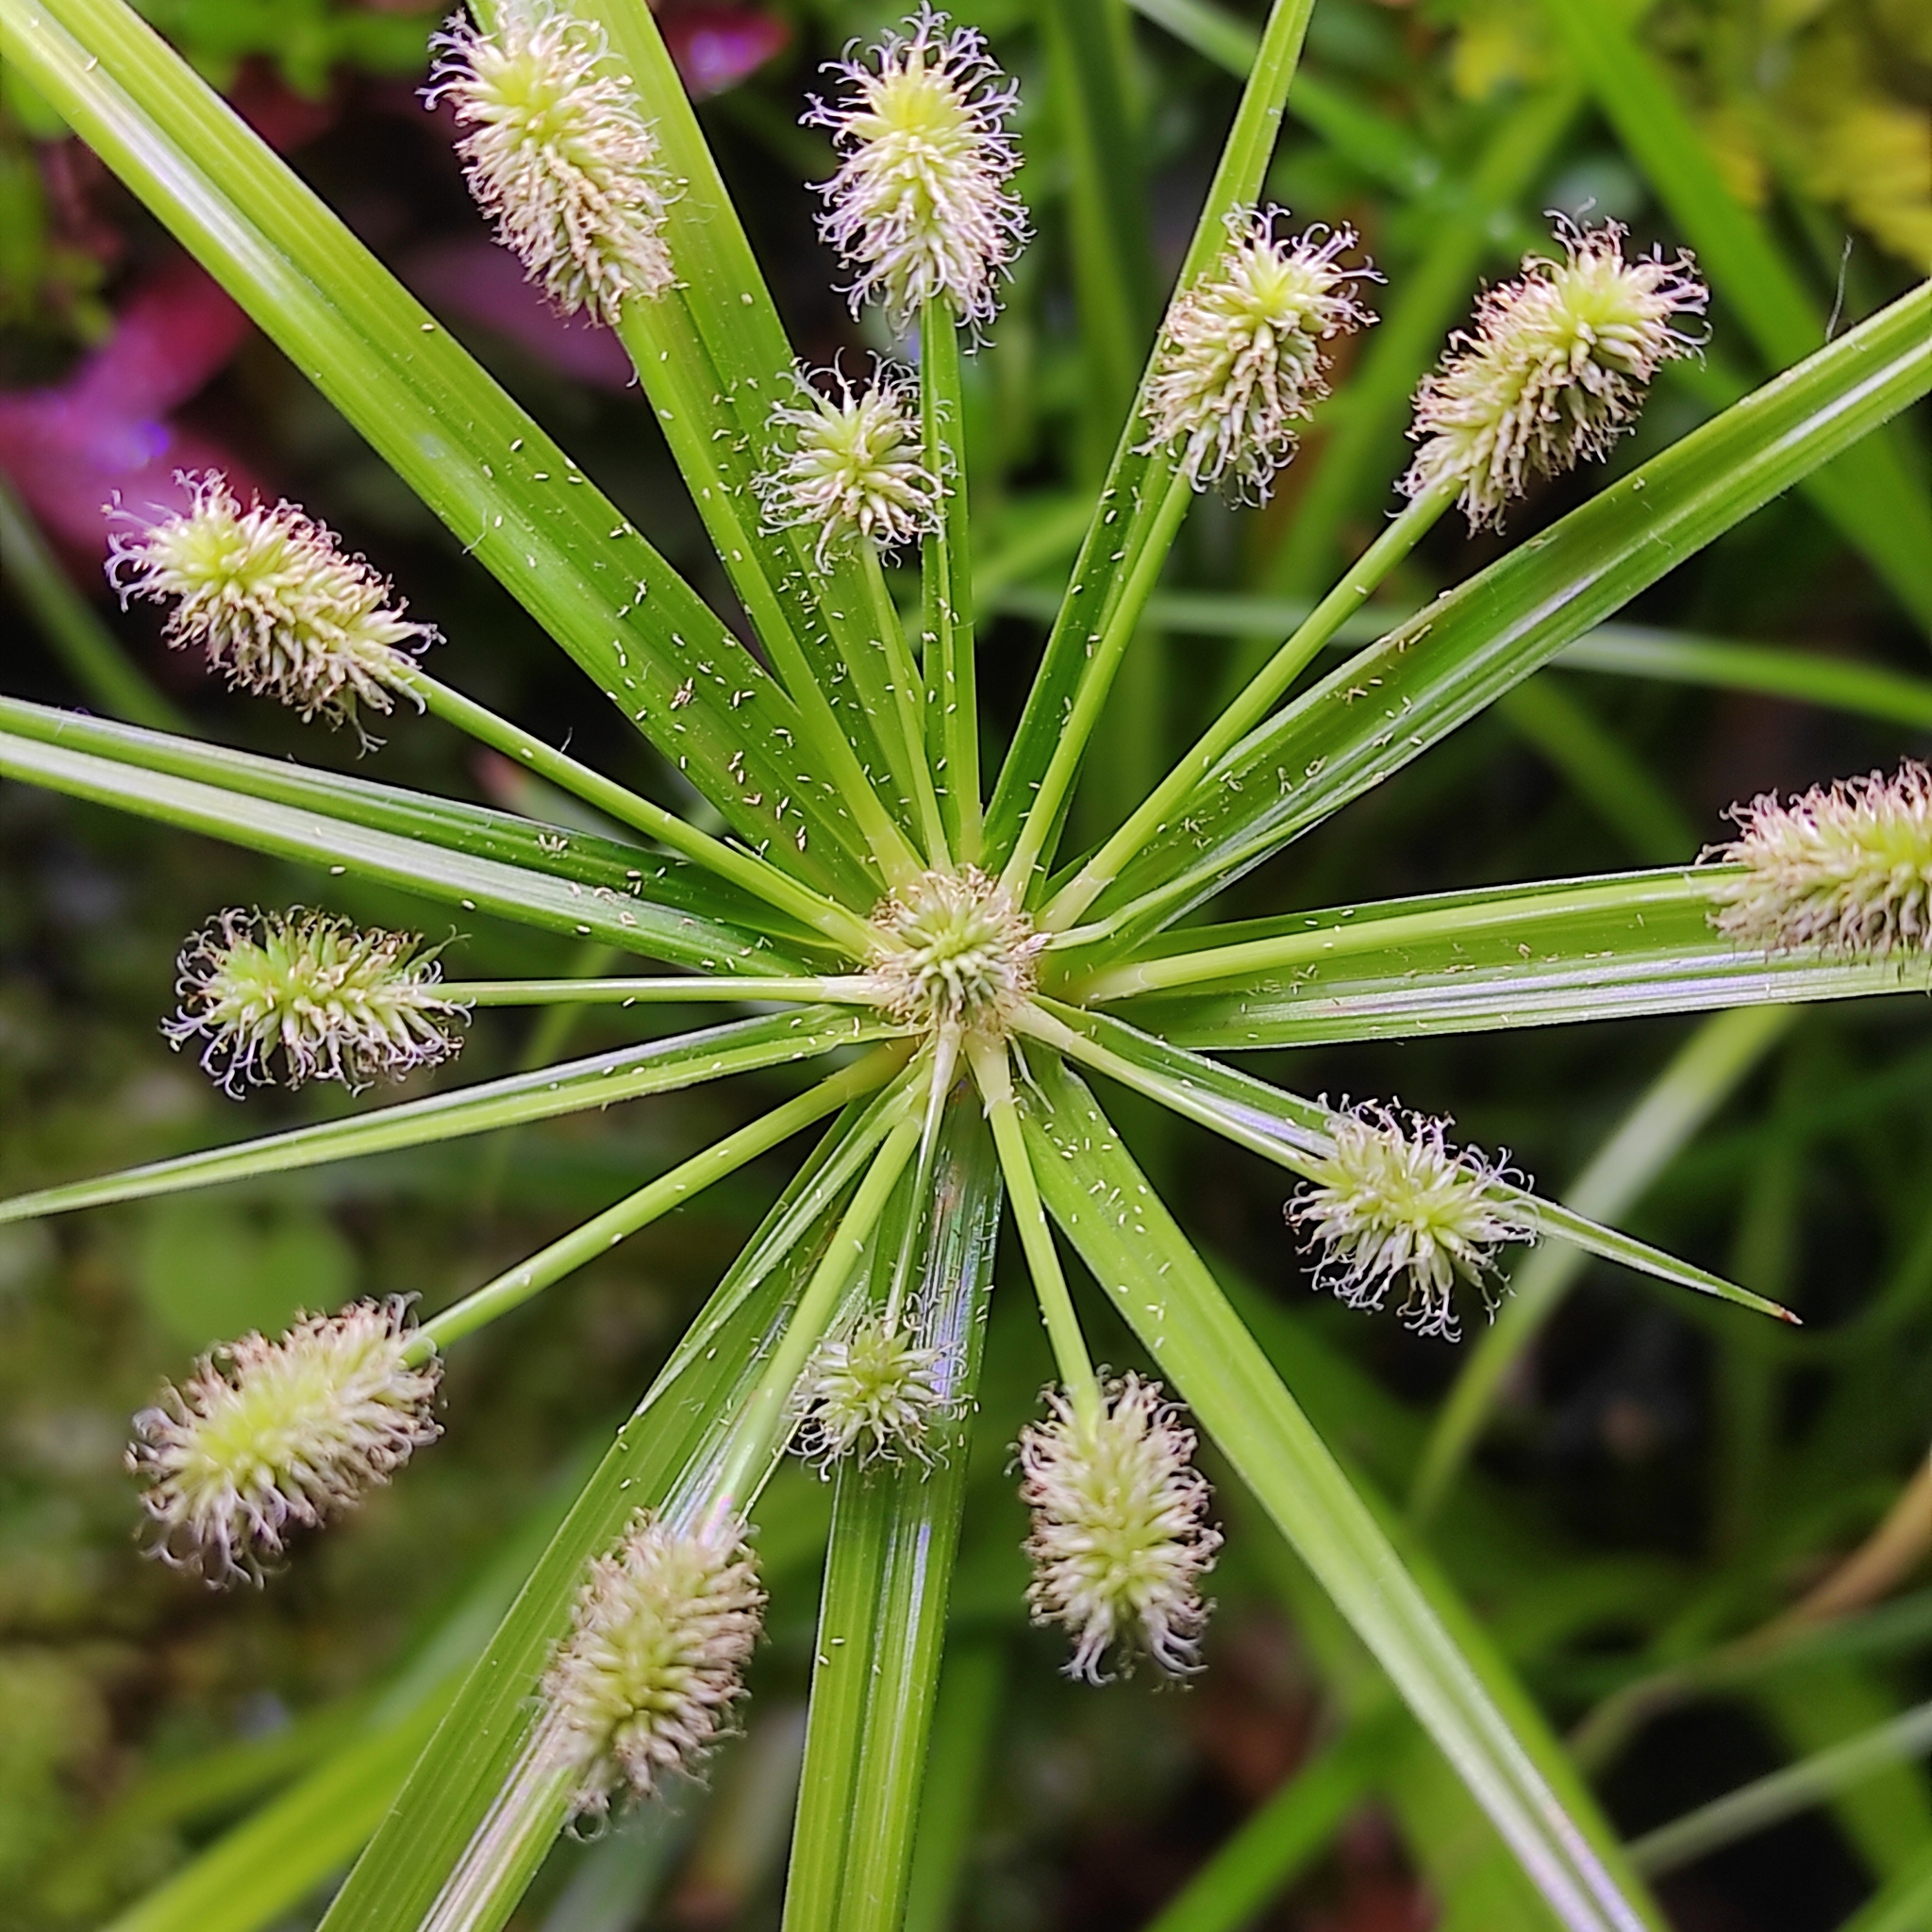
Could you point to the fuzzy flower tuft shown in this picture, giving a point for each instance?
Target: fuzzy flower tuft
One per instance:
(1393, 1200)
(645, 1683)
(851, 467)
(268, 1434)
(1240, 356)
(274, 601)
(558, 156)
(918, 206)
(1120, 1537)
(954, 951)
(875, 1394)
(313, 995)
(1555, 372)
(1847, 867)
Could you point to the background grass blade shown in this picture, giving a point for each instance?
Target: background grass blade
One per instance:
(436, 416)
(1173, 1305)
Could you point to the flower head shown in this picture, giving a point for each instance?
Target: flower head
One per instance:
(645, 1683)
(1847, 867)
(874, 1393)
(1240, 361)
(1121, 1539)
(1555, 372)
(557, 154)
(266, 1434)
(918, 206)
(274, 599)
(1392, 1199)
(322, 998)
(954, 951)
(853, 468)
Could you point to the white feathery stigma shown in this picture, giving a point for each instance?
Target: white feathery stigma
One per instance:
(265, 1434)
(872, 1392)
(1121, 1539)
(304, 996)
(1241, 360)
(274, 599)
(645, 1683)
(557, 154)
(1555, 372)
(1847, 868)
(918, 206)
(851, 466)
(954, 951)
(1392, 1201)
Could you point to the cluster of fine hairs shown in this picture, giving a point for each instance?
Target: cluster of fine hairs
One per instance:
(1847, 868)
(850, 465)
(1240, 360)
(264, 1435)
(1392, 1201)
(645, 1683)
(1121, 1538)
(872, 1392)
(557, 153)
(918, 206)
(1555, 372)
(955, 949)
(273, 599)
(311, 997)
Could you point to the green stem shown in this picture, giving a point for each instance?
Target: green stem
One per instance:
(945, 1063)
(71, 626)
(745, 869)
(990, 1067)
(768, 1414)
(946, 582)
(1251, 707)
(1043, 814)
(846, 990)
(599, 1234)
(909, 705)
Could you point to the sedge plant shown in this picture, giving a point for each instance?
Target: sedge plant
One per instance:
(893, 912)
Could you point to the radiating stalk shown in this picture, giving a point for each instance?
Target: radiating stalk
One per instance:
(1049, 803)
(946, 584)
(602, 1233)
(1252, 706)
(745, 869)
(909, 705)
(680, 990)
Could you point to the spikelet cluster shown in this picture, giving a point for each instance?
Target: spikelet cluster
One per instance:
(918, 206)
(1393, 1202)
(1241, 360)
(557, 154)
(873, 1393)
(303, 995)
(274, 601)
(955, 950)
(266, 1435)
(1555, 372)
(1847, 868)
(645, 1683)
(1120, 1539)
(850, 466)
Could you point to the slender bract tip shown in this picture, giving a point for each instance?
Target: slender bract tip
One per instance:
(849, 465)
(266, 1435)
(873, 1393)
(1555, 372)
(1121, 1538)
(918, 206)
(557, 154)
(271, 595)
(1392, 1201)
(301, 996)
(1847, 868)
(1240, 361)
(643, 1685)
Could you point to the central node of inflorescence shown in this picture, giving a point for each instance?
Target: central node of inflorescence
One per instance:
(954, 951)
